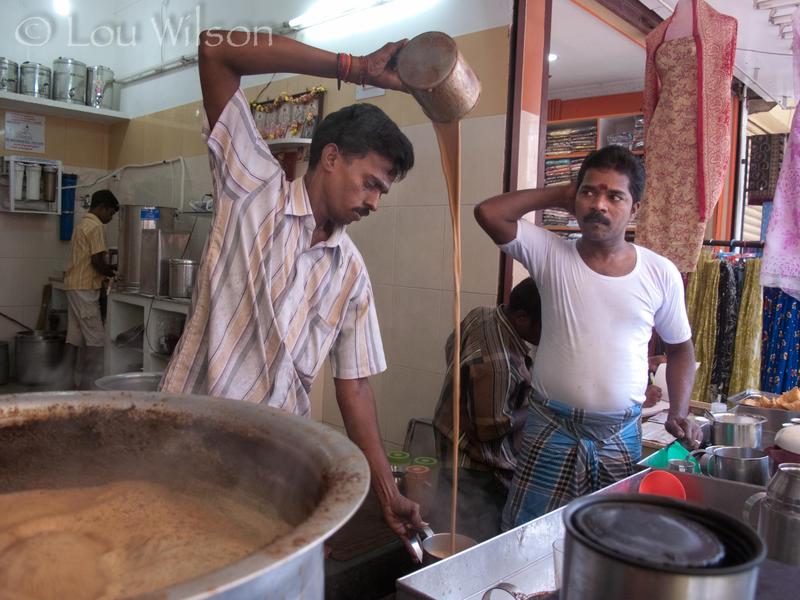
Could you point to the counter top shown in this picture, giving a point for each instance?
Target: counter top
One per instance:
(523, 556)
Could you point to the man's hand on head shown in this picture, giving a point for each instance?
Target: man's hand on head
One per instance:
(568, 198)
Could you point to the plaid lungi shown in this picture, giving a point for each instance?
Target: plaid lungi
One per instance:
(567, 453)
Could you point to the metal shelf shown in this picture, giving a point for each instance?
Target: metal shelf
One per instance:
(53, 108)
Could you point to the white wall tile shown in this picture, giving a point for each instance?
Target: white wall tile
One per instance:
(419, 246)
(480, 257)
(375, 239)
(412, 393)
(482, 158)
(414, 339)
(424, 185)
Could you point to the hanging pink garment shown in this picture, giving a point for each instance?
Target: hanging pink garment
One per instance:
(781, 265)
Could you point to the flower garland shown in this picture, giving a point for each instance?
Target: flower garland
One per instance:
(284, 98)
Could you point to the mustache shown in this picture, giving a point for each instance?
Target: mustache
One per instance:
(596, 217)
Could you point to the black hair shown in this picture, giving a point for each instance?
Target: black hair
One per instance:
(361, 128)
(525, 297)
(104, 198)
(618, 159)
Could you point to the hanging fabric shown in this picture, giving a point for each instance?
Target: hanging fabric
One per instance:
(782, 245)
(727, 315)
(687, 112)
(701, 305)
(765, 156)
(746, 370)
(781, 353)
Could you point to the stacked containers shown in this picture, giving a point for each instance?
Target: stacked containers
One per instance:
(9, 74)
(69, 80)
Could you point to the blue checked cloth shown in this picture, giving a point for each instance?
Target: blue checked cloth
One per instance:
(567, 453)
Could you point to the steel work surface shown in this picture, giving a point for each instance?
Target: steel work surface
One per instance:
(524, 555)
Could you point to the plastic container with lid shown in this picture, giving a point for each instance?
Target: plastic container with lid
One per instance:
(398, 462)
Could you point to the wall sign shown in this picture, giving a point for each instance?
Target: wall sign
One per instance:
(24, 132)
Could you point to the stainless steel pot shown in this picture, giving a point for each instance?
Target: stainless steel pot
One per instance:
(315, 476)
(39, 357)
(130, 382)
(729, 429)
(69, 80)
(438, 77)
(182, 272)
(9, 75)
(746, 465)
(99, 82)
(776, 514)
(35, 79)
(599, 568)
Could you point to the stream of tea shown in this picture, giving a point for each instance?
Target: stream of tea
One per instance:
(449, 138)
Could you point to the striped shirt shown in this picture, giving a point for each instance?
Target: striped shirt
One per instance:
(495, 382)
(89, 239)
(267, 307)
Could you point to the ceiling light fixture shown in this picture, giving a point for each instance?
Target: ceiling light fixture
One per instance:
(322, 12)
(552, 57)
(62, 7)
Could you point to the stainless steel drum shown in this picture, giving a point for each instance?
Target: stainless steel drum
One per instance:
(39, 357)
(9, 74)
(99, 82)
(69, 80)
(35, 79)
(314, 476)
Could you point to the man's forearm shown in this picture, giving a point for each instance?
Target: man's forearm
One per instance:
(357, 405)
(680, 377)
(498, 215)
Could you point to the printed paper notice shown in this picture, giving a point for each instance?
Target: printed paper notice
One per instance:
(24, 132)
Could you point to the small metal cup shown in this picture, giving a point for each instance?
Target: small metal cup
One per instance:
(747, 465)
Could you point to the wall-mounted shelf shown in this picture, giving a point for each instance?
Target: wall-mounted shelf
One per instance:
(53, 108)
(288, 144)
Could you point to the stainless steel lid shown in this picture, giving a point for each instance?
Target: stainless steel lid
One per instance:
(7, 61)
(34, 66)
(38, 335)
(652, 533)
(63, 60)
(182, 261)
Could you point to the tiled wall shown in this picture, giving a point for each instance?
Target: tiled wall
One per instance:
(30, 249)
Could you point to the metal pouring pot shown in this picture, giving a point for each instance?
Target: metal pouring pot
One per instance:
(438, 77)
(729, 429)
(776, 514)
(432, 547)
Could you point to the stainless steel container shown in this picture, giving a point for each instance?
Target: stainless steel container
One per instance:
(130, 382)
(313, 475)
(9, 75)
(158, 246)
(776, 514)
(35, 79)
(597, 569)
(132, 221)
(775, 417)
(69, 80)
(182, 273)
(3, 362)
(746, 465)
(39, 357)
(438, 76)
(99, 82)
(729, 429)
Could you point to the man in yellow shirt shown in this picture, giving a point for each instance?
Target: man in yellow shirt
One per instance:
(85, 275)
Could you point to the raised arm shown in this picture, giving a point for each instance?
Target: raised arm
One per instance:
(498, 215)
(225, 56)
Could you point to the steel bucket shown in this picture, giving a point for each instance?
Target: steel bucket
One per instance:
(314, 476)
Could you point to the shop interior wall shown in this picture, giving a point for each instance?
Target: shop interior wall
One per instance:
(406, 244)
(30, 249)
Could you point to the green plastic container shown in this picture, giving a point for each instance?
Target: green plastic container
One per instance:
(660, 459)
